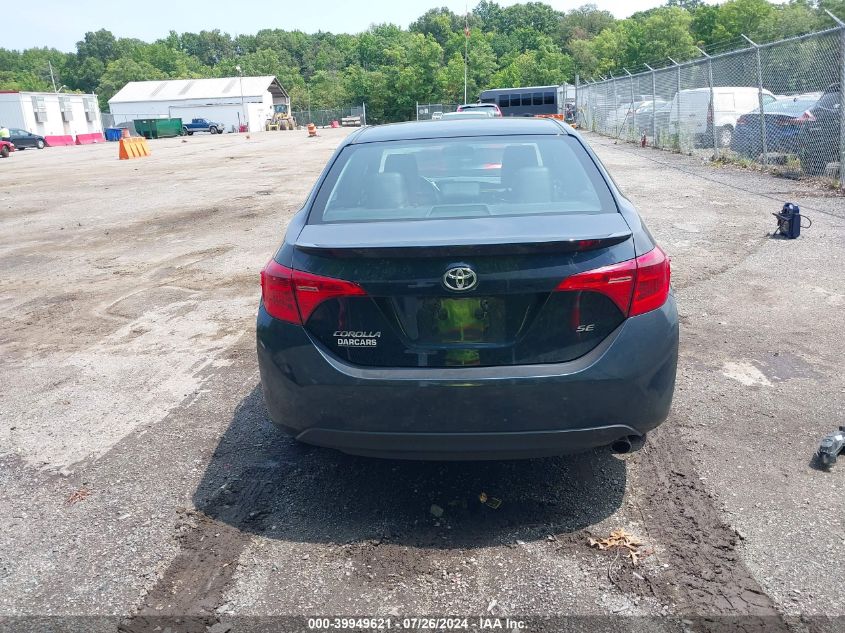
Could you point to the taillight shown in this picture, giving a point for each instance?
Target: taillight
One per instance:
(636, 286)
(277, 292)
(804, 118)
(652, 287)
(312, 290)
(615, 281)
(293, 295)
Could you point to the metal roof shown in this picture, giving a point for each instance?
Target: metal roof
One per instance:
(184, 89)
(459, 127)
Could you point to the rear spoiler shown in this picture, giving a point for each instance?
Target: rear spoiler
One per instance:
(452, 250)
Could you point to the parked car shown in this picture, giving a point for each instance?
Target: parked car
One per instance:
(783, 120)
(203, 125)
(700, 120)
(23, 139)
(6, 148)
(638, 112)
(474, 290)
(819, 136)
(492, 108)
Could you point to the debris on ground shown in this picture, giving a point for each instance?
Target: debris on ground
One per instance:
(77, 496)
(620, 540)
(436, 510)
(829, 449)
(491, 502)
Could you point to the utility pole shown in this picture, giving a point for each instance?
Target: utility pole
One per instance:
(243, 107)
(466, 51)
(52, 77)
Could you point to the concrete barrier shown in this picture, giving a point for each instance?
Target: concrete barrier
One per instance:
(54, 141)
(88, 139)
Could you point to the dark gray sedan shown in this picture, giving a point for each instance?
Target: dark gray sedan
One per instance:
(23, 139)
(468, 289)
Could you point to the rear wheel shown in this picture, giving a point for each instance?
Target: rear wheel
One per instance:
(810, 163)
(4, 152)
(724, 135)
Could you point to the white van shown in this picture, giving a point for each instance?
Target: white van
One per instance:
(697, 120)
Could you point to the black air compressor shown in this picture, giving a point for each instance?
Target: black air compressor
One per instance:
(789, 221)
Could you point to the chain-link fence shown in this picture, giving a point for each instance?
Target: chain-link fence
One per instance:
(354, 116)
(429, 111)
(776, 104)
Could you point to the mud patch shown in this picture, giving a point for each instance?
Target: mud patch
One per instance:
(193, 585)
(700, 571)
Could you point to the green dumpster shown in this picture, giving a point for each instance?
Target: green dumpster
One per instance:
(159, 128)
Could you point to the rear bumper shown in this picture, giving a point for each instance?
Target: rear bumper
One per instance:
(623, 387)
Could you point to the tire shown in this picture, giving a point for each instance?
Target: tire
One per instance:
(811, 165)
(4, 152)
(185, 131)
(39, 144)
(724, 136)
(212, 130)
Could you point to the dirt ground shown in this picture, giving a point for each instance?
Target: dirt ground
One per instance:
(142, 486)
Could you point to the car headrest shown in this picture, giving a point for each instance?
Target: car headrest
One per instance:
(514, 158)
(387, 191)
(532, 184)
(405, 164)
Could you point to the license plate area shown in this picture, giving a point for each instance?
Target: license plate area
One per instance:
(461, 321)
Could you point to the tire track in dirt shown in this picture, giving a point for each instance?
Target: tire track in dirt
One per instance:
(192, 587)
(705, 579)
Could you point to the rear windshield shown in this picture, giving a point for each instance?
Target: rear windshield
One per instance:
(794, 107)
(461, 178)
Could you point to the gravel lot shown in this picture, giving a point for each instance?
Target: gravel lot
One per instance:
(141, 483)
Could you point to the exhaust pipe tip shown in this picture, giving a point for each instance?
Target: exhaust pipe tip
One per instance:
(628, 444)
(621, 446)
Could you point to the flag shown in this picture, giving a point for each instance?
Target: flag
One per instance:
(466, 25)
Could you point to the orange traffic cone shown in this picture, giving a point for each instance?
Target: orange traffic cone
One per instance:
(312, 129)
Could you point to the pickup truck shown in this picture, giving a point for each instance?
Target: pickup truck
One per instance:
(202, 125)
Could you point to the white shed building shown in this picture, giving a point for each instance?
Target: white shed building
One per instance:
(232, 101)
(51, 114)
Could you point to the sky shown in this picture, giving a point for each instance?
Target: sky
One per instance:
(61, 23)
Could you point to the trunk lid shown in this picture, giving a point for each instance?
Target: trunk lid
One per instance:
(512, 314)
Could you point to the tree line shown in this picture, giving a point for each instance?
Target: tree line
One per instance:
(392, 68)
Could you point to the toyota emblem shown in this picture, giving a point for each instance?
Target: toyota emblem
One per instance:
(460, 279)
